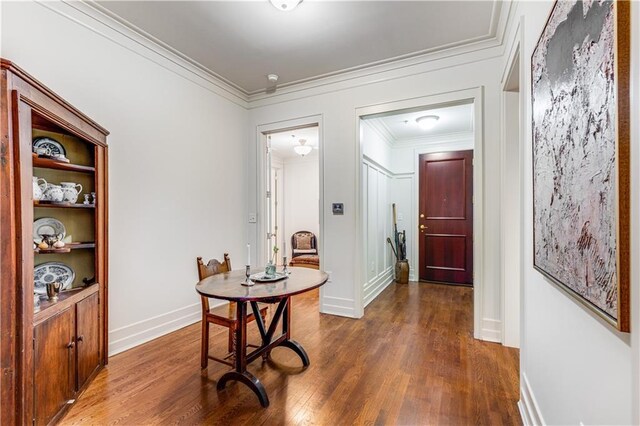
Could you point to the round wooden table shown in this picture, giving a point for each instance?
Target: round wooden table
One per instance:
(228, 286)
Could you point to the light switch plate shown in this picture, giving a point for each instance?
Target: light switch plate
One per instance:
(252, 218)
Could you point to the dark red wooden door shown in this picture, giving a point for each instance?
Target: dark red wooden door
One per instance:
(446, 217)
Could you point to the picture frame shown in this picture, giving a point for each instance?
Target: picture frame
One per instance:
(580, 76)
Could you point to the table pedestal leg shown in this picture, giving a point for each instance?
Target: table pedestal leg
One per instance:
(248, 379)
(286, 330)
(240, 374)
(297, 348)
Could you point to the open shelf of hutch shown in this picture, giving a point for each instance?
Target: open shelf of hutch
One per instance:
(49, 353)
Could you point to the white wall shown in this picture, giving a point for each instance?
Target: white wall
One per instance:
(301, 196)
(574, 367)
(378, 194)
(177, 155)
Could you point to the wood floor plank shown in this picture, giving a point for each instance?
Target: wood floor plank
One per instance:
(411, 360)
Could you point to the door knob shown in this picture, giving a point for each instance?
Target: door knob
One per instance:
(421, 215)
(423, 227)
(70, 345)
(80, 339)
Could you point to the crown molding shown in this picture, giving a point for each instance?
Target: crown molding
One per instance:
(434, 139)
(378, 127)
(500, 20)
(94, 17)
(146, 45)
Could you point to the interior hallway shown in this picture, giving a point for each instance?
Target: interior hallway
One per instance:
(412, 360)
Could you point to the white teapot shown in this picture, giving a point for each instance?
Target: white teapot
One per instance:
(71, 190)
(53, 193)
(38, 188)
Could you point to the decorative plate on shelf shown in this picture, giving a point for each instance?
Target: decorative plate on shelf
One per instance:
(47, 226)
(260, 277)
(46, 142)
(51, 272)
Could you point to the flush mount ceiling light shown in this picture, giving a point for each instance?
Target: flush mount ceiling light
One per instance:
(302, 149)
(427, 122)
(285, 5)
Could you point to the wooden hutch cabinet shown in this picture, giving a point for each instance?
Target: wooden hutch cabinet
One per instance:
(49, 353)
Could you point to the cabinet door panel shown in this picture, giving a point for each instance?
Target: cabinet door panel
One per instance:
(53, 364)
(87, 338)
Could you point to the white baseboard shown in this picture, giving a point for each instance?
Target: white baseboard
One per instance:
(491, 330)
(338, 306)
(529, 409)
(129, 336)
(373, 288)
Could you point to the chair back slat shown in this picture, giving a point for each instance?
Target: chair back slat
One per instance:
(212, 267)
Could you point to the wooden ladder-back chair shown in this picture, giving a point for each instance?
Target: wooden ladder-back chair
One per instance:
(221, 315)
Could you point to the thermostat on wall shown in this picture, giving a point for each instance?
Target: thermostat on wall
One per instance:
(337, 208)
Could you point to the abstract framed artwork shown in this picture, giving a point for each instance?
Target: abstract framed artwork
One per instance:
(580, 125)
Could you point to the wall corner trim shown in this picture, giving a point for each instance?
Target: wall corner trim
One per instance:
(529, 409)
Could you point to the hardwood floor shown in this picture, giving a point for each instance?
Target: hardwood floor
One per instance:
(410, 360)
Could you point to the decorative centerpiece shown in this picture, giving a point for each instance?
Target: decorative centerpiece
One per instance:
(270, 269)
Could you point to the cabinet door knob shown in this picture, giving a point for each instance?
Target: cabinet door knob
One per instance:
(70, 345)
(80, 339)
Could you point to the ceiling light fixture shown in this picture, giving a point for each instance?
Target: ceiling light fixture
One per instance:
(427, 122)
(285, 5)
(302, 149)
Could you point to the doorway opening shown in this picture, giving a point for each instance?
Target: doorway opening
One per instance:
(392, 138)
(426, 171)
(290, 193)
(293, 196)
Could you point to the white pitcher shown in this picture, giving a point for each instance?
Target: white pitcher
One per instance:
(53, 193)
(38, 188)
(71, 191)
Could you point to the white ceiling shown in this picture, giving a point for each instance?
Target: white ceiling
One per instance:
(403, 127)
(282, 143)
(243, 41)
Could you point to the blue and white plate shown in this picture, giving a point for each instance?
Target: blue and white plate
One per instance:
(48, 226)
(52, 272)
(46, 142)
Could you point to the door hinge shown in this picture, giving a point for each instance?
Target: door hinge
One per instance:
(268, 194)
(33, 343)
(33, 421)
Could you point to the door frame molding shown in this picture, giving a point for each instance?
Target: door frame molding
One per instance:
(261, 225)
(509, 297)
(474, 95)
